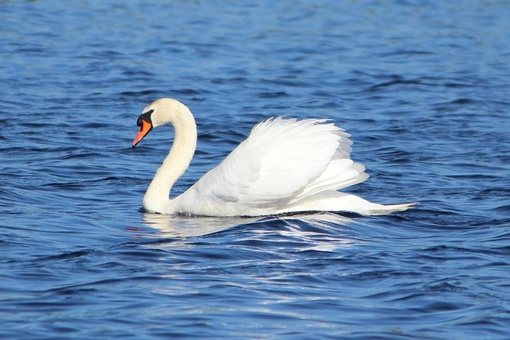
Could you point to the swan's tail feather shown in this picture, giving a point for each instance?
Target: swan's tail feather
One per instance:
(390, 208)
(343, 202)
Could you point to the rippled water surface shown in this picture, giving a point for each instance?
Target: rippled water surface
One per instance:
(423, 87)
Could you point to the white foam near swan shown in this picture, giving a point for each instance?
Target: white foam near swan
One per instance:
(284, 166)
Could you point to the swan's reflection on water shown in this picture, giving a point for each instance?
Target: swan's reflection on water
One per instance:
(193, 226)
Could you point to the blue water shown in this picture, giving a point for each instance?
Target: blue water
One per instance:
(423, 87)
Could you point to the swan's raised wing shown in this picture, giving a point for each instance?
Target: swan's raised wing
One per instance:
(280, 163)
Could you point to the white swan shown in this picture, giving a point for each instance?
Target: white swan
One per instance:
(284, 166)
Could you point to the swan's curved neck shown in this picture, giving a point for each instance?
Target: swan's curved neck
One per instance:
(156, 197)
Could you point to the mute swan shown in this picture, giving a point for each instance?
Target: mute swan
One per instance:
(285, 165)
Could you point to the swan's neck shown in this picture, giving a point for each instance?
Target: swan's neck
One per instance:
(156, 198)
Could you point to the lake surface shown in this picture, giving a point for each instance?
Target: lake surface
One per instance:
(422, 87)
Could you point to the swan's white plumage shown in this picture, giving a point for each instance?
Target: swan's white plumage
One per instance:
(285, 165)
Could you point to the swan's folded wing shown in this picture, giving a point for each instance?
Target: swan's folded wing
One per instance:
(280, 162)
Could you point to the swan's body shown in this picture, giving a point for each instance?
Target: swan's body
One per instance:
(284, 166)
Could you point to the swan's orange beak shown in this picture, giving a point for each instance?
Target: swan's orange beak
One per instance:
(145, 128)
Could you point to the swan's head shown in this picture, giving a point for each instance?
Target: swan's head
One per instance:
(160, 112)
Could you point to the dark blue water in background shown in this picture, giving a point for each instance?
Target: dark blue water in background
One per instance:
(423, 87)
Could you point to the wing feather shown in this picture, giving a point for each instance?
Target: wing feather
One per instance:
(282, 161)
